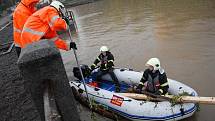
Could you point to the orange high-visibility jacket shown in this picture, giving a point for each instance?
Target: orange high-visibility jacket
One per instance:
(43, 24)
(20, 15)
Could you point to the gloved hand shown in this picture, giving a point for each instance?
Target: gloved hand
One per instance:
(80, 90)
(66, 19)
(158, 93)
(139, 89)
(73, 45)
(110, 64)
(103, 66)
(92, 67)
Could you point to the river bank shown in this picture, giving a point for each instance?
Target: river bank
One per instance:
(73, 3)
(7, 16)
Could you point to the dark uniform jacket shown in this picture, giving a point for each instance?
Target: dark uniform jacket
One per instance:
(106, 61)
(156, 82)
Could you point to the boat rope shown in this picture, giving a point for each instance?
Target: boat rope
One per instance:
(129, 100)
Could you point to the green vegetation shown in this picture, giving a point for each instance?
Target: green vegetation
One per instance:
(178, 97)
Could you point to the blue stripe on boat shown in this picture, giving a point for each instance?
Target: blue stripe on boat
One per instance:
(153, 118)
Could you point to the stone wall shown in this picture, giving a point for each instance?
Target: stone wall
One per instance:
(15, 103)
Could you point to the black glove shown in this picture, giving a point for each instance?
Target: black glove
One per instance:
(158, 93)
(110, 64)
(73, 45)
(92, 67)
(103, 66)
(66, 19)
(80, 90)
(139, 88)
(138, 91)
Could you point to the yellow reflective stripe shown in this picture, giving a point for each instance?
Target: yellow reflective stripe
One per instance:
(53, 39)
(17, 30)
(53, 19)
(165, 84)
(94, 65)
(16, 45)
(141, 83)
(110, 61)
(160, 90)
(166, 93)
(98, 58)
(33, 31)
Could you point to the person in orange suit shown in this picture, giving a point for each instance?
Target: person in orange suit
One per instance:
(44, 23)
(24, 9)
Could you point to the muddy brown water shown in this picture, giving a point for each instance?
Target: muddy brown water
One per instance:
(179, 32)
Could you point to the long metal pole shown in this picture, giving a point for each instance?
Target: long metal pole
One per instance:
(6, 26)
(76, 58)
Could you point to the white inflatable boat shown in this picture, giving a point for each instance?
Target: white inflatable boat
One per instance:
(132, 109)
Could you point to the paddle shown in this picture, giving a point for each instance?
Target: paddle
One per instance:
(178, 99)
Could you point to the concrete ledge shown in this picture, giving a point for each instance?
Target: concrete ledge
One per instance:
(41, 62)
(16, 103)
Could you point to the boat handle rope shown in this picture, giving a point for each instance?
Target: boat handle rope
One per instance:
(129, 100)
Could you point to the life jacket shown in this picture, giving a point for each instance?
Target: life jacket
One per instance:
(20, 16)
(43, 24)
(105, 59)
(153, 84)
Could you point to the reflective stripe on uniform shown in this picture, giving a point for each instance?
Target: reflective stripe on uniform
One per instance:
(16, 45)
(54, 18)
(165, 84)
(166, 94)
(161, 91)
(17, 30)
(33, 31)
(98, 58)
(53, 39)
(110, 61)
(104, 69)
(141, 83)
(94, 65)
